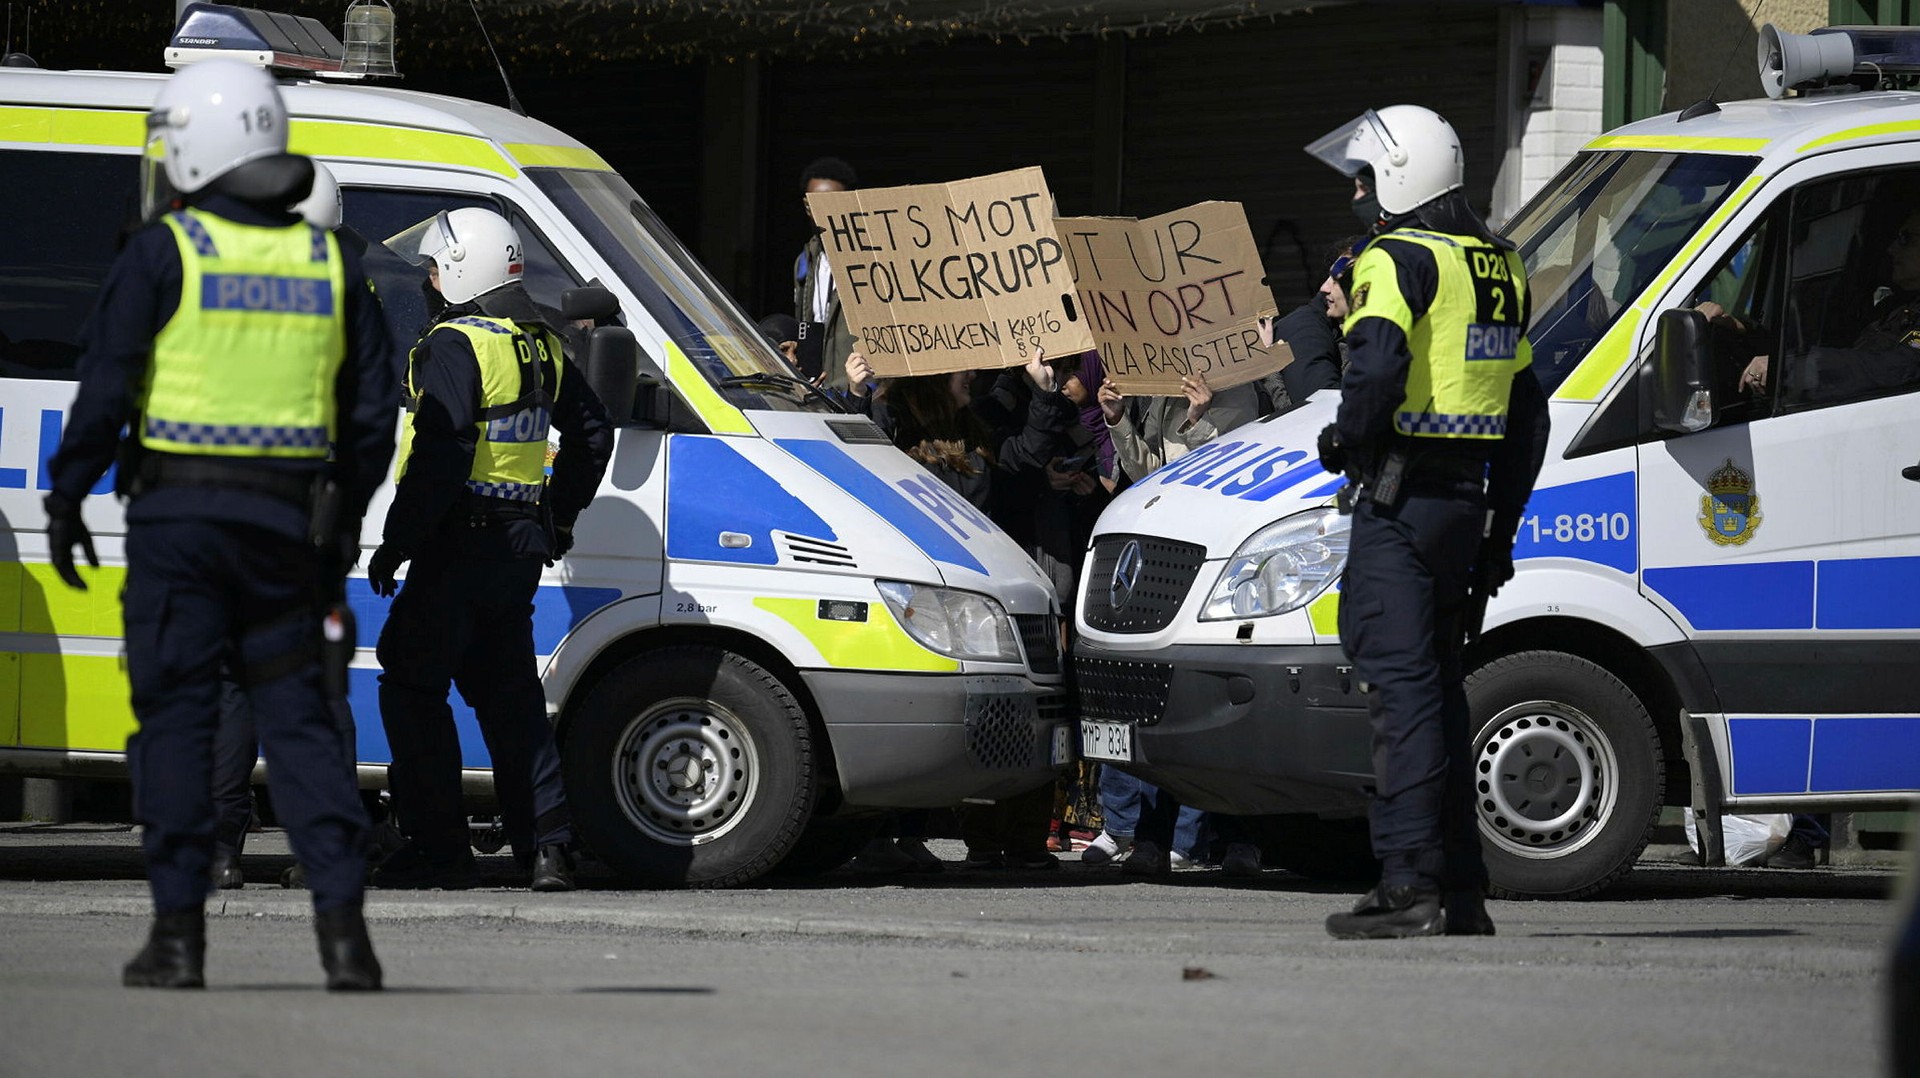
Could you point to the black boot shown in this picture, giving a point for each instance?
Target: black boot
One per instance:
(1467, 914)
(552, 869)
(345, 951)
(175, 955)
(226, 869)
(1390, 913)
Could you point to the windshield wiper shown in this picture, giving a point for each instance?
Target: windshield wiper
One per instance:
(799, 387)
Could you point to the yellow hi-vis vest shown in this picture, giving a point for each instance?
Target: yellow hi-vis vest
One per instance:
(245, 366)
(1469, 344)
(517, 365)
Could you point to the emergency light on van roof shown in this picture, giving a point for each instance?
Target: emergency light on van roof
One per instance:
(288, 42)
(1834, 53)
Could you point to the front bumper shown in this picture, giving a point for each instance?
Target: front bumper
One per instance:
(1244, 729)
(928, 741)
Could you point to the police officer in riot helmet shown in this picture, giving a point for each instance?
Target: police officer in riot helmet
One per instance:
(477, 515)
(1442, 428)
(245, 357)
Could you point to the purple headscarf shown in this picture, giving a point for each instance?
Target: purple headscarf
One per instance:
(1091, 374)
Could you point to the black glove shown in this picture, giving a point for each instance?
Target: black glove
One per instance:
(1494, 565)
(1333, 455)
(380, 569)
(562, 542)
(348, 551)
(64, 529)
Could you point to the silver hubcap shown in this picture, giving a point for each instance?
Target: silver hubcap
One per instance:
(685, 771)
(1544, 779)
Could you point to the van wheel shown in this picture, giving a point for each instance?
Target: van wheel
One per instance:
(690, 767)
(1567, 773)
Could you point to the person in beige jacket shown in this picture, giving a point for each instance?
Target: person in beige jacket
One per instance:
(1151, 431)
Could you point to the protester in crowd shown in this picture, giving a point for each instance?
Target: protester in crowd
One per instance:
(1148, 432)
(927, 417)
(1312, 332)
(825, 340)
(1123, 798)
(783, 332)
(1048, 492)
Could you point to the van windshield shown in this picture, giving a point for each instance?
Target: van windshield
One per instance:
(1600, 232)
(695, 313)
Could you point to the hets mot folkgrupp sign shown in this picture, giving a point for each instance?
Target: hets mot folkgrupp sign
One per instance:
(953, 276)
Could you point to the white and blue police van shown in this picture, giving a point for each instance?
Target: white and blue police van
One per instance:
(772, 623)
(1717, 601)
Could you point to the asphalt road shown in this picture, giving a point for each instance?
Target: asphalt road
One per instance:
(1681, 971)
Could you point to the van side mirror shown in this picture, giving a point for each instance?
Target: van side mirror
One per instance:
(653, 397)
(1682, 382)
(612, 367)
(589, 303)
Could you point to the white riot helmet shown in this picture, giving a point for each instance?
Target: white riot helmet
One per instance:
(476, 251)
(322, 207)
(1414, 154)
(210, 119)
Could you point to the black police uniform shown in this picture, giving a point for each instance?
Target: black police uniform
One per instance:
(224, 566)
(1411, 563)
(465, 611)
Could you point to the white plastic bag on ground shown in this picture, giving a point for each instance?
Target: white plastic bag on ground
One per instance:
(1750, 839)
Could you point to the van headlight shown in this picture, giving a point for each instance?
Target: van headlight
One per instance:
(954, 623)
(1281, 567)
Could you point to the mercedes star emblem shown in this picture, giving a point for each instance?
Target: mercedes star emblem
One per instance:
(1126, 574)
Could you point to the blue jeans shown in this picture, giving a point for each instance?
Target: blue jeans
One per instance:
(1124, 799)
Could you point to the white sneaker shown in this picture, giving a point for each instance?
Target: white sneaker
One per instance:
(1180, 862)
(1106, 849)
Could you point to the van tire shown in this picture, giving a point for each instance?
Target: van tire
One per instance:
(1338, 851)
(690, 766)
(1567, 772)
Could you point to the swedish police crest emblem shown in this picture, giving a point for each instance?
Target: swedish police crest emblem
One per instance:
(1730, 509)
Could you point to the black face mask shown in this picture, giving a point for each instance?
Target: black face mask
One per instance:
(1367, 208)
(436, 303)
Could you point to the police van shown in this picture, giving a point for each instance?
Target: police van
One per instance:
(1717, 601)
(772, 621)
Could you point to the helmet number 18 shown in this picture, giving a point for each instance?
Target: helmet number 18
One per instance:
(260, 119)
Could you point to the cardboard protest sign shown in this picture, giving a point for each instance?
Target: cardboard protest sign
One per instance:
(1173, 295)
(953, 276)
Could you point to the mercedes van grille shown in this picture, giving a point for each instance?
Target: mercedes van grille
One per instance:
(1004, 734)
(816, 551)
(858, 432)
(1137, 582)
(1040, 635)
(1115, 690)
